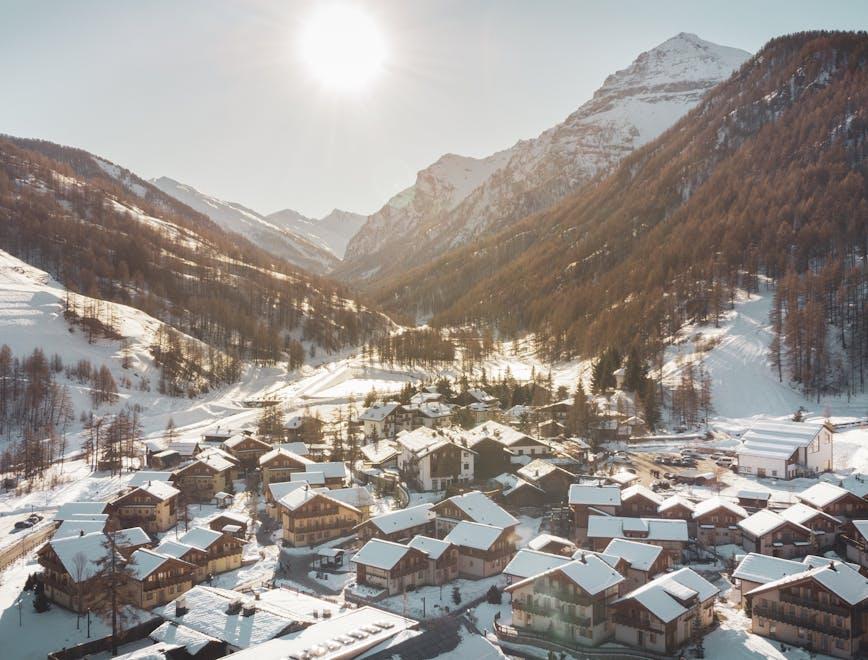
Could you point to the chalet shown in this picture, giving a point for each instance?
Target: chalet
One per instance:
(430, 414)
(478, 396)
(556, 545)
(483, 550)
(786, 449)
(189, 554)
(518, 443)
(379, 421)
(473, 507)
(591, 499)
(717, 521)
(217, 437)
(222, 551)
(639, 500)
(824, 526)
(822, 608)
(835, 501)
(311, 517)
(204, 477)
(671, 535)
(153, 506)
(280, 464)
(678, 508)
(276, 490)
(492, 457)
(72, 567)
(167, 458)
(755, 570)
(643, 561)
(155, 579)
(442, 558)
(549, 477)
(515, 491)
(232, 523)
(435, 459)
(390, 566)
(567, 603)
(381, 454)
(334, 473)
(228, 617)
(304, 428)
(665, 614)
(753, 499)
(551, 429)
(187, 449)
(480, 413)
(855, 539)
(247, 448)
(558, 411)
(769, 533)
(399, 525)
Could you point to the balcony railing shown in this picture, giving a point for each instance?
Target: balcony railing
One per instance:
(801, 621)
(634, 622)
(814, 604)
(561, 614)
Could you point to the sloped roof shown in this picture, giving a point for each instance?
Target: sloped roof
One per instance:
(538, 469)
(143, 562)
(776, 439)
(765, 568)
(71, 509)
(76, 527)
(330, 470)
(542, 540)
(90, 546)
(640, 490)
(144, 476)
(381, 451)
(764, 521)
(396, 521)
(713, 503)
(381, 554)
(480, 508)
(379, 412)
(527, 563)
(505, 435)
(162, 490)
(595, 495)
(434, 548)
(590, 573)
(125, 538)
(822, 494)
(280, 451)
(802, 513)
(641, 556)
(474, 535)
(673, 501)
(652, 529)
(661, 595)
(355, 496)
(200, 537)
(839, 578)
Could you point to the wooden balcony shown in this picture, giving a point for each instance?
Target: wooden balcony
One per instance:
(801, 621)
(825, 608)
(561, 614)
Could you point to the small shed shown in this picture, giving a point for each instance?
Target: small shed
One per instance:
(223, 499)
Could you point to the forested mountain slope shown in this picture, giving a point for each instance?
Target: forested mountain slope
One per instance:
(103, 231)
(767, 176)
(458, 199)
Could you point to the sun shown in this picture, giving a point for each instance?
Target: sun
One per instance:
(342, 47)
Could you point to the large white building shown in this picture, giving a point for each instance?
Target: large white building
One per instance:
(786, 449)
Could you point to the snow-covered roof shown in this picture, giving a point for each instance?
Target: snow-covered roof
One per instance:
(542, 540)
(527, 563)
(622, 477)
(92, 547)
(511, 483)
(310, 478)
(775, 439)
(237, 516)
(126, 538)
(422, 397)
(432, 409)
(537, 469)
(505, 435)
(145, 476)
(76, 527)
(143, 562)
(381, 554)
(663, 595)
(381, 451)
(200, 538)
(802, 513)
(299, 605)
(714, 503)
(764, 521)
(269, 456)
(746, 494)
(640, 490)
(379, 412)
(813, 561)
(474, 535)
(331, 470)
(397, 521)
(298, 448)
(822, 494)
(71, 509)
(434, 548)
(480, 508)
(595, 495)
(839, 578)
(481, 395)
(590, 573)
(862, 528)
(174, 549)
(673, 501)
(355, 496)
(651, 529)
(206, 612)
(641, 556)
(182, 636)
(299, 496)
(765, 568)
(162, 490)
(347, 635)
(215, 461)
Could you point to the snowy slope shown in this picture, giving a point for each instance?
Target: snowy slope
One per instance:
(458, 198)
(303, 250)
(334, 230)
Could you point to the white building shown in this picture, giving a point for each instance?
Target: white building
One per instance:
(378, 421)
(435, 458)
(785, 449)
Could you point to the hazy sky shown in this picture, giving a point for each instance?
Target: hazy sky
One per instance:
(213, 92)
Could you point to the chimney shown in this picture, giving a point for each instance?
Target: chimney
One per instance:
(582, 558)
(249, 609)
(832, 566)
(181, 606)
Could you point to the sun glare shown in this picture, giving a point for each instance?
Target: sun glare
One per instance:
(342, 47)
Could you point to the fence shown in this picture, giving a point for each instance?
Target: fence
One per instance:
(139, 631)
(25, 544)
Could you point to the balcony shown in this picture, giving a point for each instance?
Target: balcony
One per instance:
(801, 621)
(826, 608)
(640, 624)
(561, 614)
